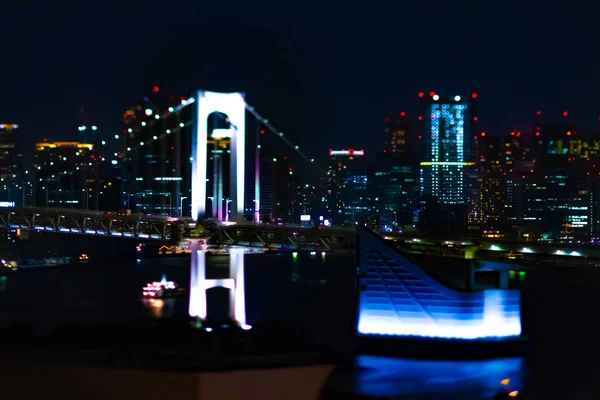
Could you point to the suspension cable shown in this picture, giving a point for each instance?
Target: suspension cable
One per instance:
(280, 135)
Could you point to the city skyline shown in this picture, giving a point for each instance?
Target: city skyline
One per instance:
(509, 63)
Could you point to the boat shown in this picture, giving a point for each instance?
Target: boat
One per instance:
(84, 258)
(161, 290)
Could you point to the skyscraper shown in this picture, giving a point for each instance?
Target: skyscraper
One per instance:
(11, 162)
(347, 186)
(447, 162)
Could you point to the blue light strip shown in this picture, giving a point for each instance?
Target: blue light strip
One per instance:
(400, 299)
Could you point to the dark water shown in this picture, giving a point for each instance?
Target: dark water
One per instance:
(318, 293)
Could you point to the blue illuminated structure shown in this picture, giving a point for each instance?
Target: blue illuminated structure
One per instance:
(447, 153)
(398, 299)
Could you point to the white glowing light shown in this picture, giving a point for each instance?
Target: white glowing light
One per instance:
(148, 112)
(181, 125)
(143, 123)
(350, 152)
(436, 97)
(94, 127)
(114, 162)
(526, 250)
(157, 116)
(154, 137)
(456, 98)
(129, 130)
(171, 109)
(222, 133)
(141, 143)
(103, 143)
(168, 131)
(116, 136)
(234, 106)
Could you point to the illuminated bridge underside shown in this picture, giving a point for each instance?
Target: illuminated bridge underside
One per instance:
(87, 222)
(290, 237)
(397, 298)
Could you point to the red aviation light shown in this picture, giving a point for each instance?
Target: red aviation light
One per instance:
(432, 94)
(155, 89)
(421, 94)
(420, 118)
(565, 113)
(474, 95)
(538, 112)
(402, 114)
(482, 133)
(537, 134)
(420, 137)
(475, 118)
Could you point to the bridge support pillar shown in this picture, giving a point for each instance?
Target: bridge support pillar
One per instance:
(234, 106)
(235, 283)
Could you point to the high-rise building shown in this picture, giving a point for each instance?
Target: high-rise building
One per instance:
(284, 191)
(347, 187)
(67, 175)
(157, 169)
(400, 137)
(392, 184)
(486, 200)
(11, 166)
(392, 178)
(448, 161)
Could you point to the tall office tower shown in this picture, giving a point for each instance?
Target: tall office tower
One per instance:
(392, 177)
(347, 187)
(392, 193)
(486, 200)
(284, 193)
(157, 153)
(448, 143)
(11, 167)
(63, 171)
(400, 137)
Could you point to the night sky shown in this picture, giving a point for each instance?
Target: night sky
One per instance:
(326, 72)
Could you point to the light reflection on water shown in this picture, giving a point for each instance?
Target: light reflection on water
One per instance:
(416, 379)
(160, 308)
(312, 291)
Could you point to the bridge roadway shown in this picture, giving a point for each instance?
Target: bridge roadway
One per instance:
(98, 223)
(294, 237)
(517, 252)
